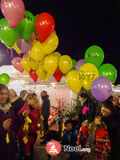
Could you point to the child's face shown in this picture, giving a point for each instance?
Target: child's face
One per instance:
(69, 126)
(33, 101)
(97, 120)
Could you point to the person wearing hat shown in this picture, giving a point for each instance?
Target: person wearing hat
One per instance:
(111, 118)
(45, 110)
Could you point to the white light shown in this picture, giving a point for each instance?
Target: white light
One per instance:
(7, 69)
(53, 84)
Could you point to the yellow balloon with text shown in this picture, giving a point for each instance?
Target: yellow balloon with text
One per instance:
(73, 81)
(36, 52)
(50, 64)
(50, 44)
(87, 74)
(25, 64)
(65, 63)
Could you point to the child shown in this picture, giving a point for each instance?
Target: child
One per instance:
(28, 131)
(69, 138)
(94, 136)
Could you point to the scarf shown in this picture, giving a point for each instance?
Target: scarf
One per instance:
(5, 107)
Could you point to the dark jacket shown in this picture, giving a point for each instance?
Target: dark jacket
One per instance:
(7, 150)
(69, 138)
(90, 115)
(45, 108)
(113, 126)
(17, 104)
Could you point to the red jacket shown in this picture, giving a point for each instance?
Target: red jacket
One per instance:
(34, 117)
(101, 141)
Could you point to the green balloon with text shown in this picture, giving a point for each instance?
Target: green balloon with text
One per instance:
(109, 71)
(95, 55)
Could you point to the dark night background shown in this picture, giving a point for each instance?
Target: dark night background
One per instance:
(81, 23)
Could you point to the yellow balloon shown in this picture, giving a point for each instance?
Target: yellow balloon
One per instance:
(50, 44)
(56, 54)
(41, 72)
(73, 81)
(33, 43)
(33, 64)
(45, 78)
(65, 64)
(25, 64)
(50, 64)
(36, 52)
(87, 74)
(15, 47)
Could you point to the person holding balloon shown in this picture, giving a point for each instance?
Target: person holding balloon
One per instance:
(7, 126)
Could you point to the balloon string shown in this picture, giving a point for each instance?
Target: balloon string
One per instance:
(10, 51)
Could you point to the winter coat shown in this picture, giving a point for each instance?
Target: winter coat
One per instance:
(69, 138)
(100, 146)
(17, 103)
(45, 107)
(7, 148)
(90, 115)
(113, 126)
(34, 115)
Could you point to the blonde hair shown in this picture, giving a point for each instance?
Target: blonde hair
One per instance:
(29, 96)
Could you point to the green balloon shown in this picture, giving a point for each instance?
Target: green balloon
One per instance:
(4, 78)
(27, 25)
(109, 71)
(8, 35)
(34, 28)
(94, 55)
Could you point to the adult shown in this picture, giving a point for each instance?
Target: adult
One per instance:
(110, 116)
(45, 110)
(16, 101)
(88, 104)
(23, 94)
(7, 126)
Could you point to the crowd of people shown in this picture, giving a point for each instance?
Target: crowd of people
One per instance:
(96, 127)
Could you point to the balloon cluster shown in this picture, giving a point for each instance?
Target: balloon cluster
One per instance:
(92, 74)
(35, 37)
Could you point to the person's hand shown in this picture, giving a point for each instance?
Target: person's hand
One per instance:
(7, 123)
(25, 113)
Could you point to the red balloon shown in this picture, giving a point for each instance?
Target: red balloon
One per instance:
(44, 26)
(33, 75)
(58, 75)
